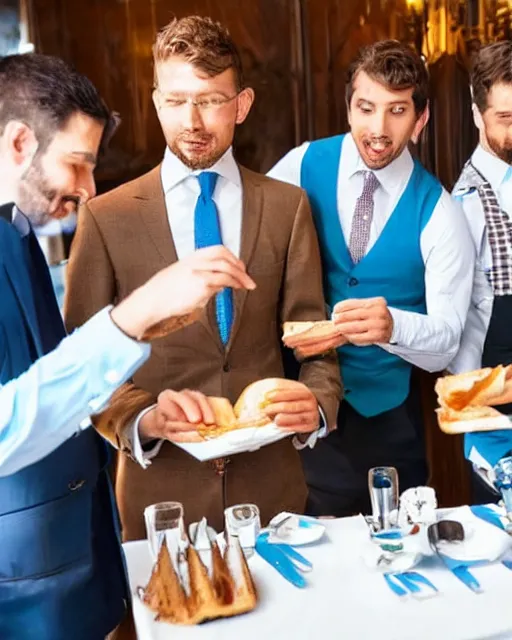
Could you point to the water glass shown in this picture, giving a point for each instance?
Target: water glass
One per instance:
(383, 488)
(164, 521)
(243, 521)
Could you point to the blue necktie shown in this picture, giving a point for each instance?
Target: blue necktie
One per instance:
(207, 233)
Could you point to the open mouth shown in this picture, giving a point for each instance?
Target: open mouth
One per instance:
(377, 147)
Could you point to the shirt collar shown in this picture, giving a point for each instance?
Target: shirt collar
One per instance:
(389, 177)
(494, 169)
(13, 215)
(174, 171)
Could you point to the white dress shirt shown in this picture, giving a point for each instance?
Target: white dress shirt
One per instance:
(181, 189)
(429, 340)
(45, 406)
(499, 175)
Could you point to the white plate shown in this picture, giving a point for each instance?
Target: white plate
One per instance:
(238, 441)
(311, 532)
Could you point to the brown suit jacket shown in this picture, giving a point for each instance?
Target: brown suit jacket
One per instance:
(123, 238)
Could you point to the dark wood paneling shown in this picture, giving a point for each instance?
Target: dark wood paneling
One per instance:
(116, 55)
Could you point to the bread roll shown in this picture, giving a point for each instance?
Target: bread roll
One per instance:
(249, 409)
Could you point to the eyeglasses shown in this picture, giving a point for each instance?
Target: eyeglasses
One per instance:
(213, 103)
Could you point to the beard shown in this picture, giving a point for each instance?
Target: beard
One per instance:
(503, 151)
(36, 195)
(196, 150)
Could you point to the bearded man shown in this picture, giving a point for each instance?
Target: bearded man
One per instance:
(200, 195)
(485, 190)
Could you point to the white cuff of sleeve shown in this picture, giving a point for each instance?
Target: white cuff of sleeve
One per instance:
(142, 457)
(321, 432)
(397, 337)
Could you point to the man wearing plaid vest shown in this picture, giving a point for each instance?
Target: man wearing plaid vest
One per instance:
(485, 191)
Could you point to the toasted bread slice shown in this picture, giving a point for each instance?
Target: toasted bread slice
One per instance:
(230, 591)
(300, 333)
(471, 419)
(480, 388)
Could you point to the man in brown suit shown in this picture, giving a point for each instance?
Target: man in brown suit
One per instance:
(125, 236)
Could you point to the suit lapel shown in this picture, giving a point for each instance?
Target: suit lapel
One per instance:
(153, 212)
(252, 208)
(15, 266)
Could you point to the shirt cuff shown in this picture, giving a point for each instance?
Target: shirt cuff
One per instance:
(140, 455)
(320, 432)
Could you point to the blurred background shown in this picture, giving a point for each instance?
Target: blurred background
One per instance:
(295, 54)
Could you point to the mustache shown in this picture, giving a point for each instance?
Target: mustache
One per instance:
(191, 136)
(74, 199)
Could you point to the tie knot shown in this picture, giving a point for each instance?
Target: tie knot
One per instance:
(370, 183)
(207, 182)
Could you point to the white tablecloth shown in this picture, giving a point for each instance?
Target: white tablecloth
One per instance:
(344, 600)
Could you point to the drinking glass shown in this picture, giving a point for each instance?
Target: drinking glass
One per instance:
(383, 488)
(243, 521)
(164, 521)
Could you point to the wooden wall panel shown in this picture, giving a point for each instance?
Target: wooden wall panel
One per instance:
(116, 55)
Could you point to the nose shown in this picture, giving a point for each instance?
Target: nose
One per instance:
(378, 124)
(191, 117)
(87, 187)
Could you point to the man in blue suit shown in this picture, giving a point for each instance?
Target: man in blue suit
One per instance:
(61, 568)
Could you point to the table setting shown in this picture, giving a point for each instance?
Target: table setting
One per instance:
(408, 570)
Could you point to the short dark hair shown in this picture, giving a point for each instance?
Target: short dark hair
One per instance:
(44, 92)
(492, 65)
(204, 43)
(396, 66)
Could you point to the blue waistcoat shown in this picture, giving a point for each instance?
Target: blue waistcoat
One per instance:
(375, 380)
(61, 570)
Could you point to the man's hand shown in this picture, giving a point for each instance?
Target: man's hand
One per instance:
(176, 417)
(180, 289)
(294, 407)
(364, 322)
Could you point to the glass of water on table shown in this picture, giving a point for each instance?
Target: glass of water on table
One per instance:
(164, 521)
(383, 488)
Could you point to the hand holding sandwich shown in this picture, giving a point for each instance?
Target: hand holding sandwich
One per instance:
(364, 321)
(176, 417)
(190, 416)
(293, 406)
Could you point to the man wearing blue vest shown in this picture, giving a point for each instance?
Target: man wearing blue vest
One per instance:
(397, 259)
(61, 568)
(484, 189)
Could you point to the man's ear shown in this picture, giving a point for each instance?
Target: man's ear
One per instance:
(421, 123)
(20, 143)
(244, 103)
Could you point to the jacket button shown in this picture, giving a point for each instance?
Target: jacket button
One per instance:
(76, 484)
(352, 282)
(226, 367)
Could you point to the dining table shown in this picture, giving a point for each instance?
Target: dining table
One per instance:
(344, 598)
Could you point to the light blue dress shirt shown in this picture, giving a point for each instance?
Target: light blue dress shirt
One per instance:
(47, 404)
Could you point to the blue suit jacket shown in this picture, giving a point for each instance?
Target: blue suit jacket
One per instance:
(61, 568)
